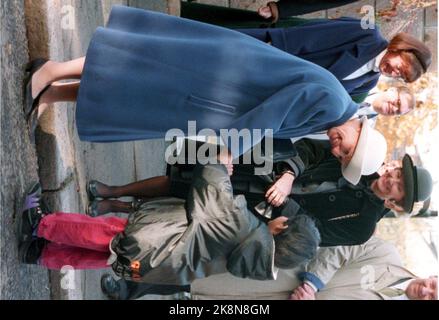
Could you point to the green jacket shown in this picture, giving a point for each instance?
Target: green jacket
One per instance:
(172, 241)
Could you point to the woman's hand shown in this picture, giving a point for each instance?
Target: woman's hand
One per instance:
(226, 159)
(277, 225)
(278, 192)
(304, 292)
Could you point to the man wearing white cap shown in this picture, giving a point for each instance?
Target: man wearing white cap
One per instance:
(347, 214)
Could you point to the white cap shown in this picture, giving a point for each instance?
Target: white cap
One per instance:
(368, 156)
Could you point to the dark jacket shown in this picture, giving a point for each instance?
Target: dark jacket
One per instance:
(172, 241)
(238, 18)
(339, 45)
(345, 216)
(288, 8)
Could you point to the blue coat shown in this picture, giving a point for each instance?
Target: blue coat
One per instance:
(339, 45)
(147, 73)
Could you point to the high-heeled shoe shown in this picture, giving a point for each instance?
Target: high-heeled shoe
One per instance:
(92, 191)
(93, 209)
(31, 104)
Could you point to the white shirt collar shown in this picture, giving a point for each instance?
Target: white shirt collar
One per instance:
(402, 286)
(378, 59)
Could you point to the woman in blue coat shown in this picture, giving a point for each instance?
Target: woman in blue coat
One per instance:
(357, 55)
(147, 73)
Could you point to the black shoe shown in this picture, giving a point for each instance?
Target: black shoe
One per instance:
(31, 104)
(136, 204)
(98, 208)
(92, 191)
(33, 210)
(110, 287)
(30, 251)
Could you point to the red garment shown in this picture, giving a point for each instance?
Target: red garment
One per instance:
(78, 240)
(56, 256)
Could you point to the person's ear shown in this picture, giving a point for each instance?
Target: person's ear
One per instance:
(390, 204)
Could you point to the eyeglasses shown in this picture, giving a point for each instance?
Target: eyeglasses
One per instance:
(398, 104)
(397, 112)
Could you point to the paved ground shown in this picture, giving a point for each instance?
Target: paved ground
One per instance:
(18, 161)
(60, 30)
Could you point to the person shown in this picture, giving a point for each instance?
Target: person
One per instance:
(345, 214)
(340, 273)
(270, 15)
(394, 101)
(349, 143)
(313, 179)
(171, 241)
(138, 81)
(356, 59)
(372, 271)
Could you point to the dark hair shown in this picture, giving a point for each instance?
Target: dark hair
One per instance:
(297, 244)
(414, 53)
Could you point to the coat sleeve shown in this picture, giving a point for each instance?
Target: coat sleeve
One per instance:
(309, 154)
(215, 217)
(330, 30)
(210, 194)
(221, 225)
(253, 258)
(332, 259)
(296, 110)
(288, 8)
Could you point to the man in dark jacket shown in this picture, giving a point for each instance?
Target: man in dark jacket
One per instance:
(345, 214)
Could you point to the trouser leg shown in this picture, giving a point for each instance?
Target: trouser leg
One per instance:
(81, 231)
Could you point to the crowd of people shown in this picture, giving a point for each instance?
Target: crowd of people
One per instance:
(303, 230)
